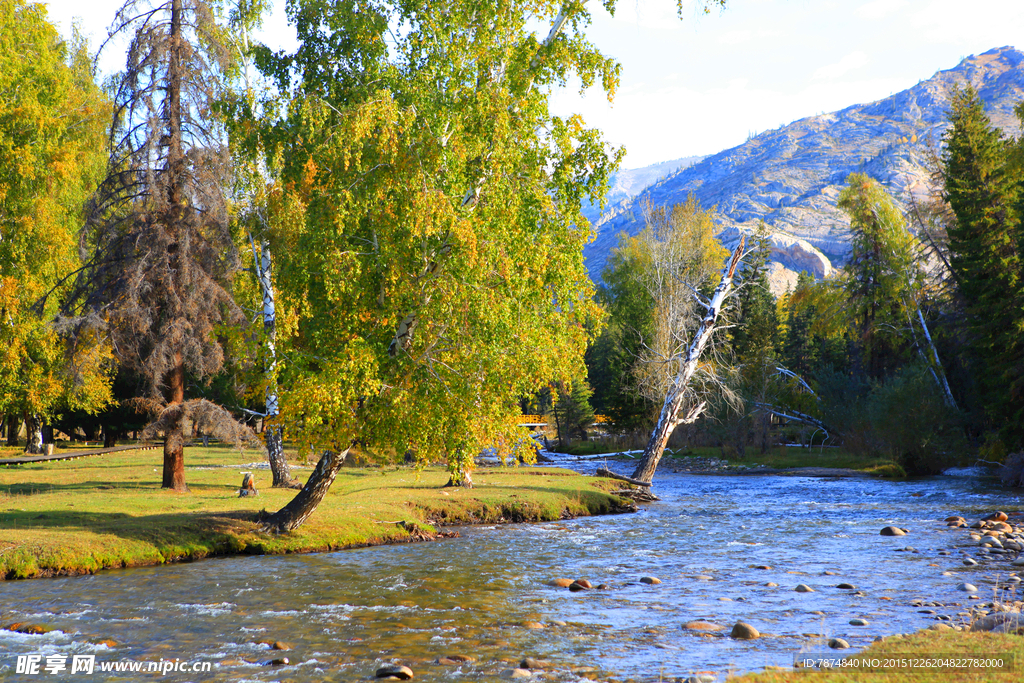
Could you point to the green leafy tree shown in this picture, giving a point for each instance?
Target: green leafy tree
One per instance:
(52, 125)
(428, 232)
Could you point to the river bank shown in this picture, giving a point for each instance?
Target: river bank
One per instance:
(82, 516)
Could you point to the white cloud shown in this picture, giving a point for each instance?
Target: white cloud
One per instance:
(880, 9)
(852, 61)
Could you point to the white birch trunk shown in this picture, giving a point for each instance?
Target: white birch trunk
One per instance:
(676, 396)
(937, 371)
(272, 435)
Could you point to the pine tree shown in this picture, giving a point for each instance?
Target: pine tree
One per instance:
(985, 244)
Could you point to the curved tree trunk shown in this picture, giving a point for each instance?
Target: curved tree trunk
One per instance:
(676, 397)
(292, 515)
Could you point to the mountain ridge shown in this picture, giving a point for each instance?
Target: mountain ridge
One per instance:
(790, 177)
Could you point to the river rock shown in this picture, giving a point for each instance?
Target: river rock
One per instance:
(29, 629)
(584, 583)
(970, 561)
(518, 673)
(1019, 562)
(940, 627)
(991, 621)
(396, 671)
(1002, 526)
(847, 587)
(461, 659)
(858, 622)
(278, 645)
(284, 661)
(576, 586)
(829, 572)
(603, 587)
(534, 625)
(803, 588)
(106, 641)
(763, 566)
(955, 518)
(892, 531)
(742, 631)
(967, 587)
(560, 583)
(534, 664)
(998, 516)
(838, 644)
(650, 580)
(771, 584)
(702, 626)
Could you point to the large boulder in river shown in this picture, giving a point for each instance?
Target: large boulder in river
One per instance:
(742, 631)
(892, 531)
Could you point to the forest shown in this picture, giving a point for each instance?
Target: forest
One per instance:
(375, 243)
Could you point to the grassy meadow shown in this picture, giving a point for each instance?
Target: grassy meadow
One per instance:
(80, 516)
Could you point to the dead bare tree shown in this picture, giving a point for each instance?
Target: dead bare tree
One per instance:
(156, 241)
(681, 404)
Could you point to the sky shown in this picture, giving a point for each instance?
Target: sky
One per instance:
(704, 83)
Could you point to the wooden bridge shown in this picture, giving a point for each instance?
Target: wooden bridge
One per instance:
(24, 460)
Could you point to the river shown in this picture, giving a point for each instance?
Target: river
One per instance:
(485, 595)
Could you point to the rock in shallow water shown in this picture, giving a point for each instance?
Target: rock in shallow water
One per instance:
(397, 671)
(892, 531)
(803, 588)
(742, 631)
(650, 580)
(847, 587)
(858, 622)
(560, 583)
(838, 644)
(968, 587)
(702, 626)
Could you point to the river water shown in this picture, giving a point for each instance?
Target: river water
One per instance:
(485, 595)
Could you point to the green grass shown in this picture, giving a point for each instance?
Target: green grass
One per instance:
(922, 645)
(782, 457)
(81, 516)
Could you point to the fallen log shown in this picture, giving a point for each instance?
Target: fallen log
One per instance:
(602, 472)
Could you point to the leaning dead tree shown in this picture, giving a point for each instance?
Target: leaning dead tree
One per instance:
(677, 398)
(157, 280)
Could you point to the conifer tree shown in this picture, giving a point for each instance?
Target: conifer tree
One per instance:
(985, 245)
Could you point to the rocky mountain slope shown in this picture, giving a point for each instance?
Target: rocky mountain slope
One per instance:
(791, 177)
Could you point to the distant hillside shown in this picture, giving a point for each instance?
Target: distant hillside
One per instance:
(791, 177)
(628, 183)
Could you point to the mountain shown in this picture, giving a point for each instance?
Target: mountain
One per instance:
(628, 183)
(791, 177)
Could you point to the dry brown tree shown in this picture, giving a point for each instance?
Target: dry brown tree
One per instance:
(157, 242)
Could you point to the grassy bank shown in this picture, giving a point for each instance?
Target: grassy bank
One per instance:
(922, 648)
(80, 516)
(778, 457)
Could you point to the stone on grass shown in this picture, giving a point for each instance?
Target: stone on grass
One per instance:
(742, 631)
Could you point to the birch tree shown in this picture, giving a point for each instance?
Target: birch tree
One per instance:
(52, 122)
(428, 236)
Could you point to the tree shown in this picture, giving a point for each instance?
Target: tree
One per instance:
(157, 282)
(985, 244)
(683, 258)
(429, 235)
(51, 157)
(573, 413)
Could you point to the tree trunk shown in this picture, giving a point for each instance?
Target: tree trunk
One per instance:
(34, 433)
(676, 396)
(174, 442)
(274, 436)
(13, 427)
(292, 515)
(109, 437)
